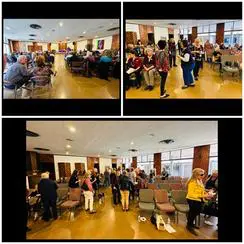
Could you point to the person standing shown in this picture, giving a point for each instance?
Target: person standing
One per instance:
(197, 52)
(48, 190)
(114, 178)
(172, 52)
(187, 65)
(106, 178)
(164, 174)
(88, 192)
(162, 66)
(196, 195)
(125, 186)
(149, 69)
(208, 47)
(74, 180)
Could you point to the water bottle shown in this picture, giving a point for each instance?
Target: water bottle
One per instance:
(139, 218)
(168, 222)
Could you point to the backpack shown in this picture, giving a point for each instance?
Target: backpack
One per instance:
(125, 184)
(162, 62)
(85, 186)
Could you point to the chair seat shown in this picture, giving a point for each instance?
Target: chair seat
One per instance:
(70, 204)
(184, 208)
(231, 69)
(166, 207)
(146, 206)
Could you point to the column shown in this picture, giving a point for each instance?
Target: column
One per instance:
(201, 158)
(143, 34)
(220, 33)
(89, 46)
(131, 37)
(75, 46)
(115, 42)
(157, 163)
(134, 162)
(193, 34)
(33, 161)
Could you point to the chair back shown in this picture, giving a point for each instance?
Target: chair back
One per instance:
(151, 186)
(179, 196)
(229, 58)
(225, 52)
(161, 196)
(76, 64)
(146, 195)
(175, 186)
(62, 193)
(74, 194)
(164, 186)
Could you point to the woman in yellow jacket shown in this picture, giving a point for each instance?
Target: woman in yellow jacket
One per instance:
(196, 194)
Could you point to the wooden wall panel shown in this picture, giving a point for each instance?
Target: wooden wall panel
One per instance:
(33, 161)
(150, 29)
(80, 166)
(193, 34)
(220, 33)
(47, 158)
(131, 38)
(64, 170)
(134, 162)
(75, 46)
(91, 161)
(15, 45)
(49, 47)
(90, 45)
(143, 34)
(201, 158)
(115, 42)
(157, 163)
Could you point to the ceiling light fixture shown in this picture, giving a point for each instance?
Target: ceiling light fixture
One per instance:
(96, 36)
(60, 24)
(7, 28)
(110, 151)
(68, 146)
(35, 26)
(72, 129)
(84, 32)
(132, 143)
(67, 153)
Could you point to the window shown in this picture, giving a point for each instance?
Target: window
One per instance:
(165, 156)
(185, 31)
(187, 153)
(214, 150)
(189, 30)
(151, 158)
(229, 26)
(238, 25)
(212, 38)
(139, 159)
(175, 154)
(213, 158)
(144, 159)
(212, 28)
(200, 29)
(206, 28)
(233, 33)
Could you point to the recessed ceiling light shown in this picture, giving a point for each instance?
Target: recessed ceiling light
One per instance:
(67, 37)
(98, 155)
(7, 28)
(96, 36)
(60, 24)
(110, 150)
(67, 153)
(132, 143)
(68, 146)
(84, 32)
(72, 129)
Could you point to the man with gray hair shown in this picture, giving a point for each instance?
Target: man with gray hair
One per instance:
(17, 74)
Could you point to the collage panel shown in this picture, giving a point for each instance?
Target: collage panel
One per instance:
(173, 59)
(158, 180)
(67, 58)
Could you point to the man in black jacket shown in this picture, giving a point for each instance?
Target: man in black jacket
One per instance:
(47, 188)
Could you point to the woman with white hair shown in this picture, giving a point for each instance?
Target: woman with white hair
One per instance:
(196, 195)
(47, 188)
(197, 54)
(149, 69)
(88, 192)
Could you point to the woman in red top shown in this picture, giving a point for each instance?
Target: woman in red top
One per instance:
(134, 66)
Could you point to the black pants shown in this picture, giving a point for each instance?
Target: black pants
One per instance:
(47, 204)
(103, 69)
(129, 83)
(162, 82)
(138, 79)
(196, 68)
(172, 57)
(116, 194)
(132, 192)
(194, 211)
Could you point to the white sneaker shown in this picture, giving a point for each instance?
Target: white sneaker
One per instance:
(208, 223)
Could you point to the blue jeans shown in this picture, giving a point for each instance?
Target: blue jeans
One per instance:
(187, 75)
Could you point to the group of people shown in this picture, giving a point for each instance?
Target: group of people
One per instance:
(160, 58)
(95, 62)
(23, 69)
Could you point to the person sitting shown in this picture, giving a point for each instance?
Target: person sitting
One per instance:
(217, 57)
(210, 182)
(103, 67)
(149, 64)
(75, 58)
(134, 66)
(164, 174)
(17, 73)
